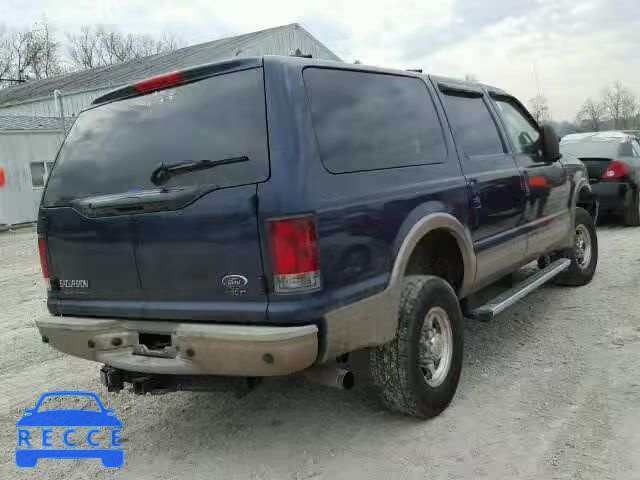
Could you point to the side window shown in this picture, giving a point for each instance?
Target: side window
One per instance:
(523, 132)
(636, 148)
(369, 121)
(38, 174)
(474, 128)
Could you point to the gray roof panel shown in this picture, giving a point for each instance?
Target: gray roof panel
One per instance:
(33, 123)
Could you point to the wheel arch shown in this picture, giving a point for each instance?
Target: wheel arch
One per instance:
(585, 198)
(450, 229)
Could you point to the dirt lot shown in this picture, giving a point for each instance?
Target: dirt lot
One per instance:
(551, 389)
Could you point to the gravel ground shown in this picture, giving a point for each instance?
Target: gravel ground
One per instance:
(551, 389)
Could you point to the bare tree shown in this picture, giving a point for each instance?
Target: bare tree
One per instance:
(47, 61)
(6, 56)
(539, 106)
(591, 114)
(169, 42)
(25, 51)
(113, 47)
(96, 46)
(83, 48)
(629, 110)
(620, 104)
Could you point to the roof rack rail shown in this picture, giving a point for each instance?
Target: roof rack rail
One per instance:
(419, 70)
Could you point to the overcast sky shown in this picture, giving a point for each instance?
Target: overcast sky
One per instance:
(577, 46)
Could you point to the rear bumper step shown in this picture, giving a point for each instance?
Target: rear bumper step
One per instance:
(489, 310)
(196, 348)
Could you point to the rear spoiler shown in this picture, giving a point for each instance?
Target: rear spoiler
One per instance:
(179, 77)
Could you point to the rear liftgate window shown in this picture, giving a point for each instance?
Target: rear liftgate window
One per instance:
(114, 148)
(369, 121)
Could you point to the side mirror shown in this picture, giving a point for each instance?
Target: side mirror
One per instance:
(551, 143)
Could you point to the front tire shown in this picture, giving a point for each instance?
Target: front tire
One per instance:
(584, 254)
(417, 373)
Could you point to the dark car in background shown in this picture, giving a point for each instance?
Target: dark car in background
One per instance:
(613, 162)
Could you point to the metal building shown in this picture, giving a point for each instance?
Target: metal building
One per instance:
(28, 146)
(30, 134)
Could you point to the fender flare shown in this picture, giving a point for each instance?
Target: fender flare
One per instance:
(581, 184)
(421, 228)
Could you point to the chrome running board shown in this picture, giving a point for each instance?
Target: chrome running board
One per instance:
(489, 310)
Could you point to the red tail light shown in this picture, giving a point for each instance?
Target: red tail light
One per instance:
(615, 170)
(44, 263)
(161, 81)
(294, 254)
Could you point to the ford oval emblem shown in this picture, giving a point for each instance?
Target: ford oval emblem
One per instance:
(234, 281)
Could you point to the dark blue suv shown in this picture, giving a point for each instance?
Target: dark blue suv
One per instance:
(263, 216)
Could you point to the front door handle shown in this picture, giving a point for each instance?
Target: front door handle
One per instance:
(524, 183)
(474, 195)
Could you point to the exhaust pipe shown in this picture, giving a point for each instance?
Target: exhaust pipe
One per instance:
(331, 377)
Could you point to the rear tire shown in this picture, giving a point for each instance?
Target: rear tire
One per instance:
(584, 254)
(406, 372)
(632, 209)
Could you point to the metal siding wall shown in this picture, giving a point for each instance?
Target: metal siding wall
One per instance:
(72, 105)
(18, 199)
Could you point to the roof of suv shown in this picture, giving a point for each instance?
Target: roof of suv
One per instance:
(311, 62)
(250, 62)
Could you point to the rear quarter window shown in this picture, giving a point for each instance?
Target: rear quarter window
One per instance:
(369, 121)
(114, 148)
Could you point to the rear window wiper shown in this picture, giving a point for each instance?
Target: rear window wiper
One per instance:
(163, 172)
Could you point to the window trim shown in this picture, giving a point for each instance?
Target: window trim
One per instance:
(205, 188)
(495, 97)
(430, 96)
(464, 90)
(44, 174)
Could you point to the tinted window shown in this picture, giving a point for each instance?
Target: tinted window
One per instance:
(474, 128)
(593, 149)
(114, 148)
(367, 121)
(523, 132)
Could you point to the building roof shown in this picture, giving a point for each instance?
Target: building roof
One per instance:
(33, 123)
(139, 68)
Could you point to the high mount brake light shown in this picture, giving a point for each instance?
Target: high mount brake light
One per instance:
(161, 81)
(615, 170)
(294, 254)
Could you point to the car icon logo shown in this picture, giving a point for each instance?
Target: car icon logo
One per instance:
(80, 431)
